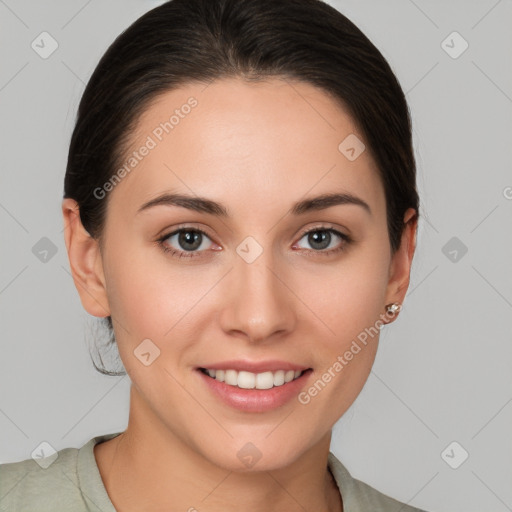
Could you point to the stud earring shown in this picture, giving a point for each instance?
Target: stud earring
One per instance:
(393, 308)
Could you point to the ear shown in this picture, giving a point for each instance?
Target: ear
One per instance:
(400, 268)
(85, 261)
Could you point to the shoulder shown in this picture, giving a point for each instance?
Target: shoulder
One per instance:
(358, 496)
(25, 483)
(51, 483)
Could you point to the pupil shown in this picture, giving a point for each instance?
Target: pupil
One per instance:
(189, 237)
(321, 238)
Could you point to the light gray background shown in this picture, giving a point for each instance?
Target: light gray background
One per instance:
(443, 370)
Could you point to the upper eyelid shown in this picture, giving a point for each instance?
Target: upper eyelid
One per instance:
(323, 228)
(183, 228)
(204, 231)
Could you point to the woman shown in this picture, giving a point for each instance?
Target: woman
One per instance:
(240, 205)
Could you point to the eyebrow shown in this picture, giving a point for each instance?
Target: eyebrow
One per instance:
(203, 205)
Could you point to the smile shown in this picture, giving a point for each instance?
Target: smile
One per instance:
(249, 380)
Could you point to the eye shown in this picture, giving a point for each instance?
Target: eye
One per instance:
(185, 242)
(325, 240)
(188, 242)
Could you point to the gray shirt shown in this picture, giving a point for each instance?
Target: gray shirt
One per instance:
(72, 483)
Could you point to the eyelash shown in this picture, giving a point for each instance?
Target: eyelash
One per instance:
(193, 254)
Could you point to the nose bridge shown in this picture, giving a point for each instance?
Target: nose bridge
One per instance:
(254, 270)
(259, 304)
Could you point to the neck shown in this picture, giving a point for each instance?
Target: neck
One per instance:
(150, 467)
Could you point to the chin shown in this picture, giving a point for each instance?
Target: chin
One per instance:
(243, 455)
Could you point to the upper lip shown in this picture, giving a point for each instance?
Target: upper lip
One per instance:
(254, 366)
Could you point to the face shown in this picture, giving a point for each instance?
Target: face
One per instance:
(253, 278)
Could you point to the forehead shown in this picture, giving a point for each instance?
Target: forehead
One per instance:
(246, 144)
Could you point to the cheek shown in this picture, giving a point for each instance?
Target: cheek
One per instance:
(347, 297)
(149, 296)
(155, 298)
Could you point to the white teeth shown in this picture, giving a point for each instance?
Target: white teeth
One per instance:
(246, 380)
(249, 380)
(230, 377)
(289, 375)
(279, 378)
(264, 380)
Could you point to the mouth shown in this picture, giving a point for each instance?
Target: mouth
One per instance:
(271, 384)
(250, 380)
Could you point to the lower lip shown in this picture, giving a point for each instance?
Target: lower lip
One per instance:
(255, 400)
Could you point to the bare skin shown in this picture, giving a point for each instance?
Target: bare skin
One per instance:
(256, 148)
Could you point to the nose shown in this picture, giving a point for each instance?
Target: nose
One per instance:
(259, 303)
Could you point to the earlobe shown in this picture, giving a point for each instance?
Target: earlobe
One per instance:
(400, 268)
(85, 261)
